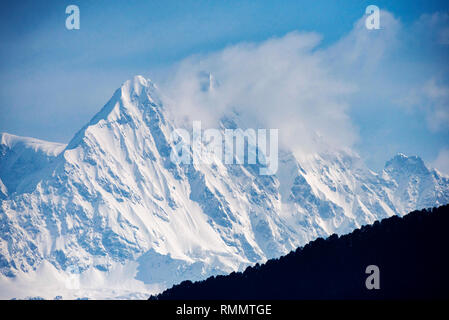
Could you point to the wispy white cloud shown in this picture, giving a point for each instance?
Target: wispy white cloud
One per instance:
(436, 101)
(280, 83)
(442, 161)
(362, 51)
(435, 28)
(286, 83)
(428, 89)
(309, 91)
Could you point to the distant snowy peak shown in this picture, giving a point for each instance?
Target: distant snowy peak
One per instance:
(407, 167)
(21, 157)
(409, 164)
(20, 144)
(415, 185)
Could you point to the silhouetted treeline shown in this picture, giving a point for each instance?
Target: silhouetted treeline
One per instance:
(412, 254)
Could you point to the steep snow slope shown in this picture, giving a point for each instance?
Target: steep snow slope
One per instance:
(3, 190)
(113, 208)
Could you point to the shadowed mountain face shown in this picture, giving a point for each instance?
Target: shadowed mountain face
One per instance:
(411, 253)
(113, 200)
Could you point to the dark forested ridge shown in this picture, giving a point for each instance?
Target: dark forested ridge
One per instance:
(412, 254)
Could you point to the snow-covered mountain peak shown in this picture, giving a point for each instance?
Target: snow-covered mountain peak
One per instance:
(413, 182)
(127, 105)
(132, 93)
(138, 86)
(409, 164)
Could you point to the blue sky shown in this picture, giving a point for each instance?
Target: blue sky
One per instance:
(54, 80)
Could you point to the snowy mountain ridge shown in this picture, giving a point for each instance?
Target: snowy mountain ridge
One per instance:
(112, 209)
(21, 156)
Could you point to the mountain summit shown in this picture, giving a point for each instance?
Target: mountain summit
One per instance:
(111, 210)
